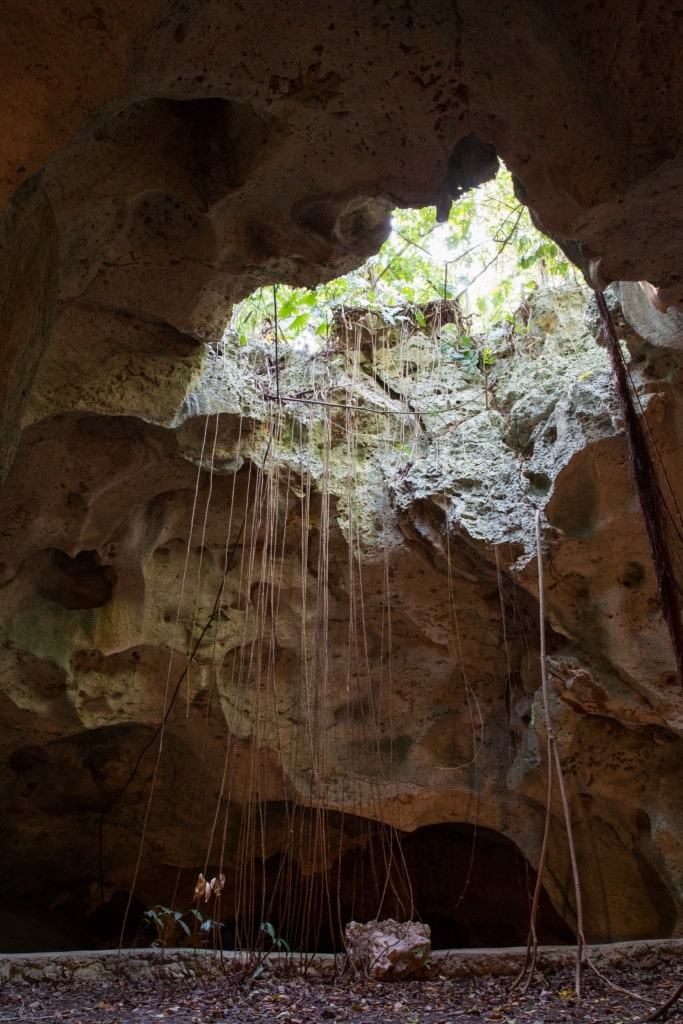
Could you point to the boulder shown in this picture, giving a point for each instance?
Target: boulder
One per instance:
(389, 950)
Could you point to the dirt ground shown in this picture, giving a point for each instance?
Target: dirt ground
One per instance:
(628, 990)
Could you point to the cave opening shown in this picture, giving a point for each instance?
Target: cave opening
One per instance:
(76, 583)
(471, 885)
(370, 644)
(467, 267)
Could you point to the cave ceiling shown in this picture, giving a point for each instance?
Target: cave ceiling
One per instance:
(158, 163)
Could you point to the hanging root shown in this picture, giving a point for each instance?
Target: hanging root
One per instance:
(647, 486)
(529, 967)
(554, 764)
(654, 513)
(612, 984)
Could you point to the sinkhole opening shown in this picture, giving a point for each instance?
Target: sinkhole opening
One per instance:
(482, 257)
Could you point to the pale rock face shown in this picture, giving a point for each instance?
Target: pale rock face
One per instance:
(360, 601)
(649, 316)
(389, 950)
(360, 596)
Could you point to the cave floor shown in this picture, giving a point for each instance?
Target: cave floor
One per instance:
(627, 991)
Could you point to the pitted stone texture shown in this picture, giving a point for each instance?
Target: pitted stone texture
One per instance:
(190, 153)
(311, 96)
(374, 647)
(178, 158)
(506, 435)
(389, 950)
(649, 315)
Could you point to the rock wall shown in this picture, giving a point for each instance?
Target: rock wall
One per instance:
(374, 656)
(333, 610)
(163, 161)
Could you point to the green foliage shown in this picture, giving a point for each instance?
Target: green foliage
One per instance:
(167, 923)
(172, 925)
(277, 944)
(488, 256)
(468, 352)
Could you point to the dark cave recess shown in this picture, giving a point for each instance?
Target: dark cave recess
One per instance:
(472, 886)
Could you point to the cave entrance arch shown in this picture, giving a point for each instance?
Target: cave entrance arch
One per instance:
(471, 885)
(474, 888)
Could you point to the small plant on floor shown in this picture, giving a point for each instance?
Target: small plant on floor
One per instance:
(277, 944)
(191, 927)
(173, 929)
(168, 924)
(210, 926)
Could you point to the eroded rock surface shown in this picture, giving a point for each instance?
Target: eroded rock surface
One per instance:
(160, 161)
(333, 610)
(389, 950)
(359, 598)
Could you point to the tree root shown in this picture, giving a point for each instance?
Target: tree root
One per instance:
(661, 1011)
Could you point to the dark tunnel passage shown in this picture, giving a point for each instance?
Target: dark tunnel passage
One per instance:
(471, 885)
(474, 888)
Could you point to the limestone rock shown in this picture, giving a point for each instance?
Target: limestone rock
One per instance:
(650, 317)
(389, 950)
(349, 631)
(278, 548)
(263, 160)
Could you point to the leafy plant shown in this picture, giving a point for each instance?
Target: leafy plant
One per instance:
(168, 923)
(460, 348)
(467, 351)
(209, 926)
(488, 256)
(277, 944)
(173, 928)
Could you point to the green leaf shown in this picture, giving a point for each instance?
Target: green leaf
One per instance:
(488, 241)
(299, 323)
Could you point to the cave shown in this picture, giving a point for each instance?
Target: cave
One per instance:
(201, 617)
(471, 886)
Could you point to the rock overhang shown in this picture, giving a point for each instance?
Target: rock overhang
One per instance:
(217, 149)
